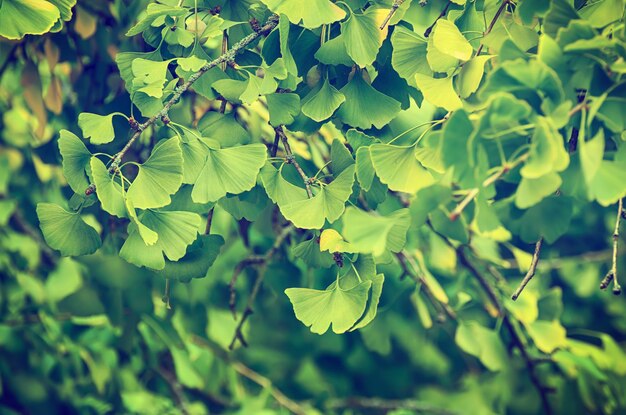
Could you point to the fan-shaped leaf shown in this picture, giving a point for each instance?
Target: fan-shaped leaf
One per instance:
(397, 167)
(108, 191)
(322, 102)
(76, 159)
(23, 17)
(66, 231)
(362, 35)
(159, 177)
(314, 14)
(438, 91)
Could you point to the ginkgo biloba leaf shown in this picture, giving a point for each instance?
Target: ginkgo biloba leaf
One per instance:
(322, 102)
(364, 106)
(471, 74)
(310, 253)
(608, 185)
(340, 157)
(438, 91)
(159, 177)
(362, 35)
(148, 236)
(22, 17)
(409, 53)
(76, 159)
(591, 153)
(439, 61)
(109, 192)
(318, 309)
(372, 304)
(199, 257)
(282, 108)
(334, 52)
(314, 14)
(549, 219)
(547, 151)
(547, 335)
(448, 39)
(532, 191)
(223, 128)
(278, 189)
(332, 241)
(398, 168)
(228, 170)
(194, 154)
(364, 168)
(191, 63)
(369, 233)
(483, 343)
(176, 231)
(155, 14)
(327, 204)
(66, 231)
(98, 127)
(149, 76)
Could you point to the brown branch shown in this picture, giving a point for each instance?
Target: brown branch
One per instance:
(385, 406)
(454, 215)
(612, 274)
(262, 260)
(392, 11)
(176, 389)
(516, 338)
(416, 274)
(492, 24)
(209, 221)
(264, 382)
(229, 56)
(291, 159)
(531, 270)
(429, 29)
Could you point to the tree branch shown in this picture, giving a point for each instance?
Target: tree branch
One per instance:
(492, 24)
(531, 271)
(454, 215)
(612, 274)
(516, 338)
(180, 90)
(291, 159)
(252, 260)
(392, 11)
(429, 29)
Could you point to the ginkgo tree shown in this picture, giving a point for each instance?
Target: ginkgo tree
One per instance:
(300, 160)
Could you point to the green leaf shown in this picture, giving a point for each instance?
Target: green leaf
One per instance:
(365, 172)
(398, 168)
(24, 17)
(315, 14)
(322, 102)
(109, 192)
(559, 15)
(547, 335)
(334, 52)
(532, 191)
(98, 127)
(362, 35)
(364, 106)
(449, 40)
(148, 236)
(65, 280)
(372, 304)
(223, 128)
(340, 157)
(318, 309)
(310, 253)
(438, 91)
(194, 154)
(76, 159)
(608, 185)
(191, 64)
(175, 230)
(547, 151)
(67, 232)
(283, 108)
(483, 343)
(548, 219)
(198, 259)
(409, 53)
(228, 170)
(159, 177)
(471, 74)
(149, 76)
(278, 189)
(155, 17)
(439, 61)
(591, 155)
(369, 233)
(327, 204)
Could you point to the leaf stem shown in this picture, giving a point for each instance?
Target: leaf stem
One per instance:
(291, 159)
(531, 270)
(612, 274)
(394, 7)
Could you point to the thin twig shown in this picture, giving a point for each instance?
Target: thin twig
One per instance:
(516, 338)
(291, 159)
(176, 389)
(384, 406)
(180, 90)
(492, 24)
(454, 215)
(253, 260)
(264, 382)
(612, 274)
(392, 11)
(429, 29)
(209, 221)
(416, 274)
(531, 270)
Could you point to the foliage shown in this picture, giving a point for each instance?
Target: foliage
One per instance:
(385, 170)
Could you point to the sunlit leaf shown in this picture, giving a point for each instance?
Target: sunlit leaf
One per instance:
(67, 232)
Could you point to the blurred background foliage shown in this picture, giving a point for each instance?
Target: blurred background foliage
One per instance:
(94, 335)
